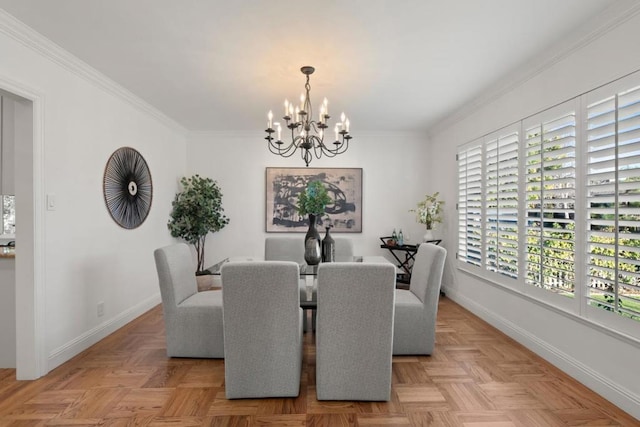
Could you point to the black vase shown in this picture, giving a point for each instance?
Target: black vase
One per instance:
(328, 247)
(312, 252)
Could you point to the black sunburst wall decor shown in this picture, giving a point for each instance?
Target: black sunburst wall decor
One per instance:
(127, 187)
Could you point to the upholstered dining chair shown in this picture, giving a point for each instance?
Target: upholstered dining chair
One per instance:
(292, 249)
(279, 248)
(417, 307)
(193, 320)
(354, 331)
(344, 249)
(343, 253)
(262, 329)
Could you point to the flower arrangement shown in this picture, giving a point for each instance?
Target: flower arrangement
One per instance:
(314, 199)
(429, 210)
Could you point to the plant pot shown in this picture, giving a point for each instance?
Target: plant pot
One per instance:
(428, 235)
(205, 282)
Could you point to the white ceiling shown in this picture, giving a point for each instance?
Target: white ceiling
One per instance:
(390, 65)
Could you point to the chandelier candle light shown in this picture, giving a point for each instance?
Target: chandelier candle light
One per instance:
(306, 133)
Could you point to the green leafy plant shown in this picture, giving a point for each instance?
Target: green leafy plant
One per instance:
(314, 199)
(197, 211)
(429, 210)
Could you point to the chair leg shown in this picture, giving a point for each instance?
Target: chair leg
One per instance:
(304, 321)
(309, 324)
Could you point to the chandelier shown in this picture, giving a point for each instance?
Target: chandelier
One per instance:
(307, 134)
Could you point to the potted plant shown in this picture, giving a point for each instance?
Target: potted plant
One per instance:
(197, 211)
(312, 202)
(429, 213)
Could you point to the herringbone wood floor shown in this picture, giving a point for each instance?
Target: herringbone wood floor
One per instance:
(476, 377)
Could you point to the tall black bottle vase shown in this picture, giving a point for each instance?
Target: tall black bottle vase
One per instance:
(312, 249)
(328, 247)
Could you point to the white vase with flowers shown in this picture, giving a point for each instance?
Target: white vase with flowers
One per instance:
(429, 213)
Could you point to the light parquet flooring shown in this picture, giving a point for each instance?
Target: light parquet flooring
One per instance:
(476, 377)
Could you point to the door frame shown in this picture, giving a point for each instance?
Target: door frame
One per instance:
(31, 358)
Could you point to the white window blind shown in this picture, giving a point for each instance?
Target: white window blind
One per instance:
(470, 205)
(518, 189)
(613, 203)
(501, 204)
(550, 205)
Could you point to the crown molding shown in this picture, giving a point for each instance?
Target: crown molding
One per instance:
(35, 41)
(257, 135)
(612, 17)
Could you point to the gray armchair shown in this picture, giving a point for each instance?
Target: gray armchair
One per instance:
(284, 249)
(292, 249)
(344, 249)
(417, 307)
(288, 249)
(262, 329)
(354, 331)
(193, 320)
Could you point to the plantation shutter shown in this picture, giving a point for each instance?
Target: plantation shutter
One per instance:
(613, 203)
(470, 204)
(550, 204)
(501, 204)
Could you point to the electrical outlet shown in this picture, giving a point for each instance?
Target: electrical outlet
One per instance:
(100, 309)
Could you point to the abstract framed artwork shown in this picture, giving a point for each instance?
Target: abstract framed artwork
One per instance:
(285, 184)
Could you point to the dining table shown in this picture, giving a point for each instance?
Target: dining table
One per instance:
(309, 273)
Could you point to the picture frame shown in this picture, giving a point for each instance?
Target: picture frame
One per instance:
(283, 185)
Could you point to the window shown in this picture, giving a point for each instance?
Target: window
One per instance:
(8, 215)
(501, 204)
(613, 203)
(488, 203)
(470, 204)
(584, 153)
(550, 204)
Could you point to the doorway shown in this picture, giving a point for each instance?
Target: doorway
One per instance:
(31, 361)
(7, 236)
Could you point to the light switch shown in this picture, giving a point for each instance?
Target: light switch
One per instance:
(51, 202)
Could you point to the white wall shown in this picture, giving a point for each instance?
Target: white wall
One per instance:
(88, 258)
(80, 118)
(394, 179)
(605, 362)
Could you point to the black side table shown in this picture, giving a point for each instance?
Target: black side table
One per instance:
(405, 264)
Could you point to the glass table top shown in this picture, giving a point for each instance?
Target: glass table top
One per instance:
(305, 269)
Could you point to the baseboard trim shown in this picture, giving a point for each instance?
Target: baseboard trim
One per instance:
(618, 395)
(89, 338)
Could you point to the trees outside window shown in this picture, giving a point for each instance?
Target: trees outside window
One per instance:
(553, 202)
